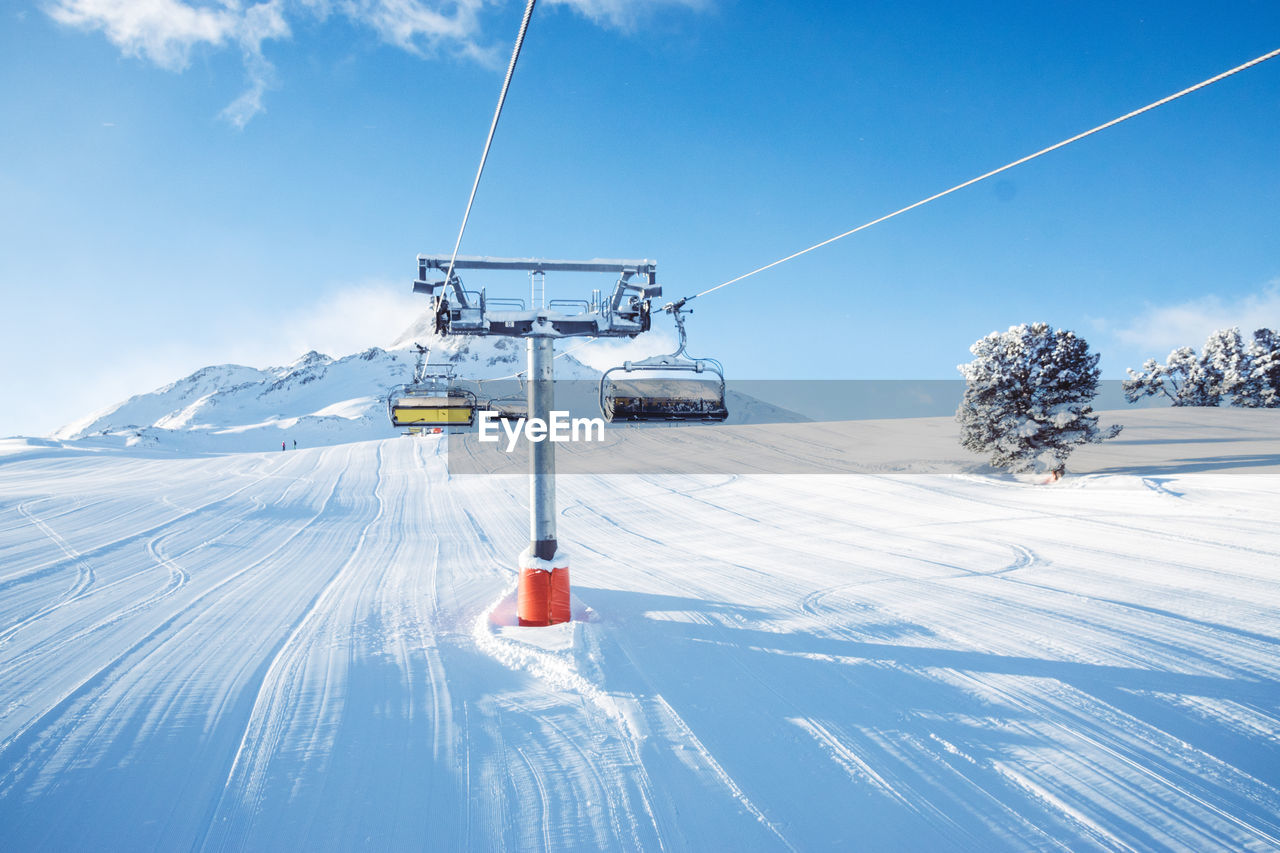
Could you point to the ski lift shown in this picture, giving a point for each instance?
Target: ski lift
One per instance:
(691, 389)
(510, 407)
(432, 400)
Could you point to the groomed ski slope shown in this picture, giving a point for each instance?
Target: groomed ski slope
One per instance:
(294, 650)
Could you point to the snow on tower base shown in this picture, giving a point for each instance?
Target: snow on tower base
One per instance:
(543, 598)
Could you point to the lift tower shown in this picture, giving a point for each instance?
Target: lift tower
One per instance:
(623, 314)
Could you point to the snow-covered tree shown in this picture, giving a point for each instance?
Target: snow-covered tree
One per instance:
(1226, 370)
(1223, 366)
(1026, 399)
(1261, 387)
(1180, 378)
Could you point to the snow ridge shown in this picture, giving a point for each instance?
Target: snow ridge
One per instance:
(318, 400)
(315, 400)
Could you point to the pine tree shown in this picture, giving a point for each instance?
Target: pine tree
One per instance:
(1180, 379)
(1226, 370)
(1224, 366)
(1026, 399)
(1261, 386)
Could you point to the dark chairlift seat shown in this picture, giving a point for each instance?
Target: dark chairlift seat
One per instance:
(666, 399)
(677, 388)
(510, 407)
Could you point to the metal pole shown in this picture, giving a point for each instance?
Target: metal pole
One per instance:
(542, 455)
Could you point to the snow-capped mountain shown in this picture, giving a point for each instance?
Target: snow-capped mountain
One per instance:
(320, 400)
(314, 400)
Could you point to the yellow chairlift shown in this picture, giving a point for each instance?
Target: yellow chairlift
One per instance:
(433, 400)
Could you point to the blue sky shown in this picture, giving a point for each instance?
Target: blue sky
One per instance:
(214, 182)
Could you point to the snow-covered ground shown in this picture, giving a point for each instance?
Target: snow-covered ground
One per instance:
(307, 650)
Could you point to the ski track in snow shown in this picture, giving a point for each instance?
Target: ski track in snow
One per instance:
(295, 650)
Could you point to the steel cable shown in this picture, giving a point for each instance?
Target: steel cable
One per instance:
(493, 126)
(1003, 168)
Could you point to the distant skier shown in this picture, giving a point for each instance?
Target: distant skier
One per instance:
(295, 444)
(282, 445)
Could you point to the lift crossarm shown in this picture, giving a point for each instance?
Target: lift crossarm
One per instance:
(624, 314)
(646, 268)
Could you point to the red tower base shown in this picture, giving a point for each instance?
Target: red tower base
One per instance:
(543, 596)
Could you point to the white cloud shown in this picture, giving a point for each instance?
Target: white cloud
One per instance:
(420, 27)
(625, 14)
(351, 320)
(604, 353)
(165, 32)
(337, 323)
(261, 22)
(1162, 328)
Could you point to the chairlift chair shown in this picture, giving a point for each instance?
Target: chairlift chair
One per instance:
(433, 399)
(510, 407)
(409, 407)
(691, 389)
